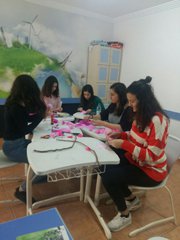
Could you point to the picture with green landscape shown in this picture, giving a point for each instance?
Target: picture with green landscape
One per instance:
(31, 47)
(19, 58)
(57, 233)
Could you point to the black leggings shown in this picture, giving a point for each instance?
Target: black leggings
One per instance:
(117, 178)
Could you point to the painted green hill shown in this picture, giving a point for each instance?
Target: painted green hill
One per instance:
(23, 59)
(20, 59)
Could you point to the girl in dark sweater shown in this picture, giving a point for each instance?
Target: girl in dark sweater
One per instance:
(24, 110)
(88, 101)
(118, 115)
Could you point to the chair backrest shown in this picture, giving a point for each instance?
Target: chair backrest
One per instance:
(172, 150)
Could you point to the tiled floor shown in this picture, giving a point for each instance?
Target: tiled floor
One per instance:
(80, 218)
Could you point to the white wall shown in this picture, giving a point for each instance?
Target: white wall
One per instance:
(152, 47)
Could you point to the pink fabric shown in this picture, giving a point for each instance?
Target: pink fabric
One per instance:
(52, 102)
(55, 120)
(68, 126)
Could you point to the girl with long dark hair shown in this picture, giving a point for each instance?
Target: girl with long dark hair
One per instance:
(24, 110)
(88, 101)
(118, 115)
(143, 160)
(51, 96)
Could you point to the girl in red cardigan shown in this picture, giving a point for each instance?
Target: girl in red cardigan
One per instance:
(141, 151)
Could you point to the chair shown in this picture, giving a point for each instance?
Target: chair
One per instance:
(173, 154)
(5, 163)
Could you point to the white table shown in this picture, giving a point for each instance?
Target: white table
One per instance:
(78, 157)
(43, 129)
(87, 197)
(49, 162)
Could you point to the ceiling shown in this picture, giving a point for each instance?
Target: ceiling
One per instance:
(112, 8)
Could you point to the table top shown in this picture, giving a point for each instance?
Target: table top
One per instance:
(36, 222)
(56, 159)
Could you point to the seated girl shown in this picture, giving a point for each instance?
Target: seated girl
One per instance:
(50, 95)
(88, 101)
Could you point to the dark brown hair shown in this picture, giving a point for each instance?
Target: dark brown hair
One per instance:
(148, 105)
(26, 91)
(47, 87)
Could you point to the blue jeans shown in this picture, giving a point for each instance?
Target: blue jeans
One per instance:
(16, 151)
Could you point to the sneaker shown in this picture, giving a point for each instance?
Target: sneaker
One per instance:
(21, 195)
(133, 205)
(119, 222)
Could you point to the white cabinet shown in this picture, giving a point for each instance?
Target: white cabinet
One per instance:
(103, 69)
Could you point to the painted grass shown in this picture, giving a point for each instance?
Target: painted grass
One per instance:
(23, 59)
(3, 94)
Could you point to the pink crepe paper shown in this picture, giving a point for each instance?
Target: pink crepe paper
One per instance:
(88, 149)
(52, 135)
(55, 120)
(69, 124)
(66, 130)
(70, 136)
(59, 132)
(80, 135)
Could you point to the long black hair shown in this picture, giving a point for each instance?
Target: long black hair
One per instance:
(26, 92)
(120, 90)
(84, 102)
(148, 105)
(47, 87)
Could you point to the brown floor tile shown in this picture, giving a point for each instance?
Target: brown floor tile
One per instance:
(18, 209)
(6, 215)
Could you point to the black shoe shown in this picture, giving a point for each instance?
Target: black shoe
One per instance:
(21, 195)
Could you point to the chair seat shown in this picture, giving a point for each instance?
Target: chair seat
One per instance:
(161, 185)
(5, 162)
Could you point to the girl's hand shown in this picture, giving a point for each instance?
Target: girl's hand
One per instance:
(113, 135)
(116, 143)
(87, 117)
(60, 109)
(88, 111)
(98, 122)
(80, 109)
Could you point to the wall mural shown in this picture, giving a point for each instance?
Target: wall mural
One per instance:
(41, 41)
(25, 49)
